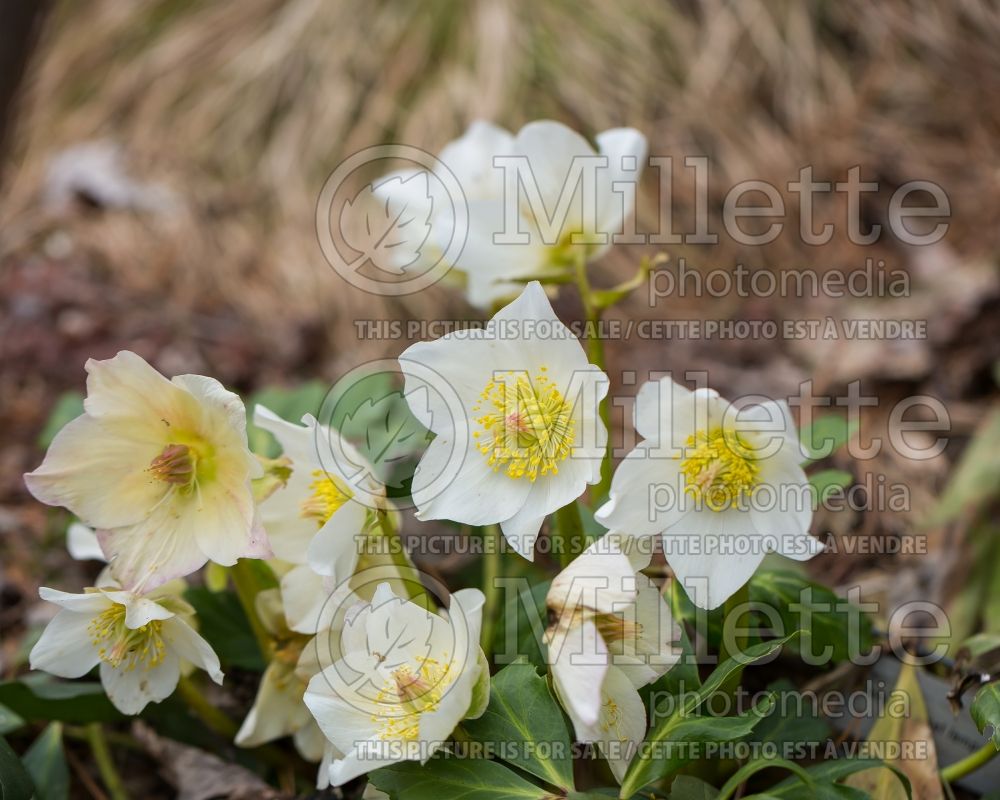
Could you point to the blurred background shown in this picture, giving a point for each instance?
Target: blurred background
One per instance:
(161, 162)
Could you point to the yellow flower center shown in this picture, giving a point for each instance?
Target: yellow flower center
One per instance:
(720, 468)
(527, 427)
(123, 647)
(328, 495)
(408, 695)
(611, 719)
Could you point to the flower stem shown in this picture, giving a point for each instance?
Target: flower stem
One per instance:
(246, 591)
(595, 352)
(970, 763)
(491, 571)
(105, 764)
(569, 529)
(204, 710)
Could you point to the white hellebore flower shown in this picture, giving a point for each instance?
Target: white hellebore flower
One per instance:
(613, 633)
(723, 484)
(278, 709)
(514, 407)
(536, 201)
(315, 521)
(160, 468)
(140, 643)
(407, 677)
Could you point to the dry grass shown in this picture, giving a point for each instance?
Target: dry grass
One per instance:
(244, 107)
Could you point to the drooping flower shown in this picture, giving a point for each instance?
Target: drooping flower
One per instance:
(723, 484)
(160, 468)
(140, 642)
(581, 214)
(514, 407)
(317, 521)
(278, 709)
(612, 634)
(406, 678)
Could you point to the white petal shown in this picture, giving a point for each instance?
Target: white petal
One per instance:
(626, 150)
(84, 603)
(335, 548)
(277, 709)
(646, 494)
(579, 662)
(98, 470)
(709, 557)
(192, 647)
(81, 541)
(131, 690)
(65, 648)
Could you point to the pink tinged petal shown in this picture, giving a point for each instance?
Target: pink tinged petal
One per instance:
(99, 475)
(149, 554)
(182, 639)
(131, 690)
(65, 647)
(225, 523)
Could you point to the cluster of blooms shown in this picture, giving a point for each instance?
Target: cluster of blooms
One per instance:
(359, 674)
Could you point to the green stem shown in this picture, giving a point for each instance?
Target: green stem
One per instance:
(246, 591)
(204, 710)
(727, 650)
(491, 571)
(595, 352)
(105, 764)
(569, 530)
(408, 574)
(970, 763)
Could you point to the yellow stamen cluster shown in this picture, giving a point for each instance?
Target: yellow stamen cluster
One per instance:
(528, 428)
(328, 495)
(407, 696)
(123, 647)
(611, 719)
(720, 468)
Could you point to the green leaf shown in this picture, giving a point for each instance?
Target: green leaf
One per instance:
(520, 628)
(40, 697)
(827, 774)
(985, 711)
(687, 787)
(443, 778)
(790, 729)
(524, 720)
(9, 721)
(751, 768)
(815, 608)
(224, 625)
(46, 763)
(15, 782)
(826, 435)
(680, 724)
(827, 482)
(67, 408)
